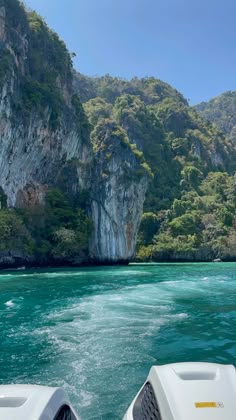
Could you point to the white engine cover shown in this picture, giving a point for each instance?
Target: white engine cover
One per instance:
(32, 402)
(192, 391)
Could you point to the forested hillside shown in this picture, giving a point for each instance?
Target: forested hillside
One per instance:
(189, 209)
(221, 111)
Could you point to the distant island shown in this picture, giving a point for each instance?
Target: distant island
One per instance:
(104, 170)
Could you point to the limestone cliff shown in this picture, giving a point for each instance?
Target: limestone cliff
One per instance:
(118, 193)
(40, 133)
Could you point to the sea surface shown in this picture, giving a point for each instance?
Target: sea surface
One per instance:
(97, 331)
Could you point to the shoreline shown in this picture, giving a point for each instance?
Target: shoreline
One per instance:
(24, 267)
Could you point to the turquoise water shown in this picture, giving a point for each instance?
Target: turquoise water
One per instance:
(97, 331)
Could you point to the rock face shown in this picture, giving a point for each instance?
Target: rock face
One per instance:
(25, 165)
(33, 152)
(118, 194)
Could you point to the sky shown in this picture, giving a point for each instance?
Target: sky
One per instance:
(190, 44)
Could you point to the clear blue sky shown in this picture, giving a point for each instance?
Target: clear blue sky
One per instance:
(190, 44)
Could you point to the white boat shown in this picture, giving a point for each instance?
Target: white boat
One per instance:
(33, 402)
(186, 391)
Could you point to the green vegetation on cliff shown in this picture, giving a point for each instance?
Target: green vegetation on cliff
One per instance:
(150, 90)
(189, 210)
(222, 112)
(201, 225)
(49, 69)
(42, 64)
(57, 232)
(60, 230)
(14, 234)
